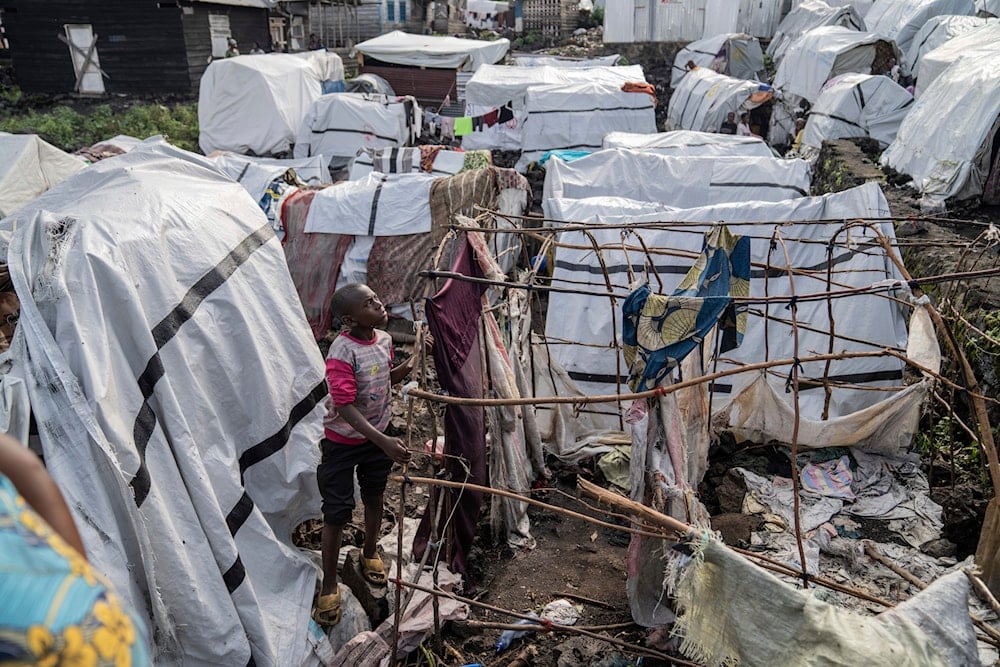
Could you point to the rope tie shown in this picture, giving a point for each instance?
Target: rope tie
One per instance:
(796, 364)
(793, 301)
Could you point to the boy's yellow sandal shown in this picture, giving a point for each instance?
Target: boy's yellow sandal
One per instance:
(327, 611)
(374, 570)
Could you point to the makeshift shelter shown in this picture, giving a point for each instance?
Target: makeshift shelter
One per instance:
(703, 98)
(436, 160)
(385, 241)
(808, 15)
(958, 160)
(28, 167)
(558, 61)
(815, 58)
(733, 54)
(339, 125)
(933, 34)
(982, 42)
(899, 20)
(856, 105)
(689, 143)
(425, 66)
(556, 107)
(142, 325)
(369, 83)
(666, 179)
(257, 173)
(255, 104)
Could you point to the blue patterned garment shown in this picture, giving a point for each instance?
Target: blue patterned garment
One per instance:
(54, 609)
(659, 331)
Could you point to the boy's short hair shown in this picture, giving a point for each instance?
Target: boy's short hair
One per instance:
(340, 302)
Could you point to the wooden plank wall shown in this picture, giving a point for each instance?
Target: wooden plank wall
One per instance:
(429, 85)
(344, 25)
(140, 44)
(551, 18)
(247, 25)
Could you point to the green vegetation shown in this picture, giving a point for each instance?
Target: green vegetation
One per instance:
(71, 130)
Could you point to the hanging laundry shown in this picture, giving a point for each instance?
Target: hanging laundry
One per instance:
(641, 87)
(490, 119)
(506, 114)
(658, 331)
(447, 127)
(463, 126)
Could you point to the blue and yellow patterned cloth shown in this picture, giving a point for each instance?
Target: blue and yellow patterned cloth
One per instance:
(659, 331)
(55, 610)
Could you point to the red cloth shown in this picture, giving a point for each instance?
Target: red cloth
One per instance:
(641, 87)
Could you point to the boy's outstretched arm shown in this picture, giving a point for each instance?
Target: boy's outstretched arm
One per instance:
(38, 489)
(393, 447)
(397, 374)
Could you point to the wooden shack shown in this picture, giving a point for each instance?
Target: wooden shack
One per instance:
(144, 47)
(554, 19)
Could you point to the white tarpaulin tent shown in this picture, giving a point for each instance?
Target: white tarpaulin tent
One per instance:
(689, 142)
(821, 54)
(254, 104)
(733, 54)
(374, 205)
(991, 7)
(808, 15)
(256, 173)
(402, 48)
(962, 106)
(179, 396)
(856, 105)
(588, 319)
(492, 86)
(28, 167)
(936, 32)
(578, 116)
(339, 125)
(556, 61)
(899, 20)
(982, 43)
(703, 98)
(666, 179)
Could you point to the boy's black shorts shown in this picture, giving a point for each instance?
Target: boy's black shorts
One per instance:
(335, 476)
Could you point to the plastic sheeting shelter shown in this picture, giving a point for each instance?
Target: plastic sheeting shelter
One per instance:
(982, 42)
(953, 161)
(900, 20)
(856, 105)
(556, 61)
(936, 32)
(873, 317)
(179, 400)
(400, 48)
(703, 98)
(734, 54)
(254, 104)
(28, 167)
(808, 15)
(339, 125)
(823, 53)
(556, 108)
(667, 180)
(256, 173)
(689, 143)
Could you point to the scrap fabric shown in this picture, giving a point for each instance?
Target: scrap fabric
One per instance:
(659, 331)
(56, 610)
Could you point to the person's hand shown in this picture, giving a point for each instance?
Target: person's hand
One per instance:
(395, 449)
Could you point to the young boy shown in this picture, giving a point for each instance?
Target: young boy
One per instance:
(360, 377)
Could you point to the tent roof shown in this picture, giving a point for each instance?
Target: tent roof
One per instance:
(808, 15)
(899, 20)
(936, 32)
(962, 106)
(402, 48)
(262, 4)
(982, 41)
(29, 167)
(857, 105)
(689, 142)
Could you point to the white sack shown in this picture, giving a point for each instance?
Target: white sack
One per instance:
(28, 167)
(339, 125)
(689, 143)
(667, 179)
(254, 104)
(962, 105)
(492, 86)
(179, 399)
(256, 173)
(376, 205)
(588, 319)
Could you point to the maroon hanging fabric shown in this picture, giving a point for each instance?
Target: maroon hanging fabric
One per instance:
(453, 315)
